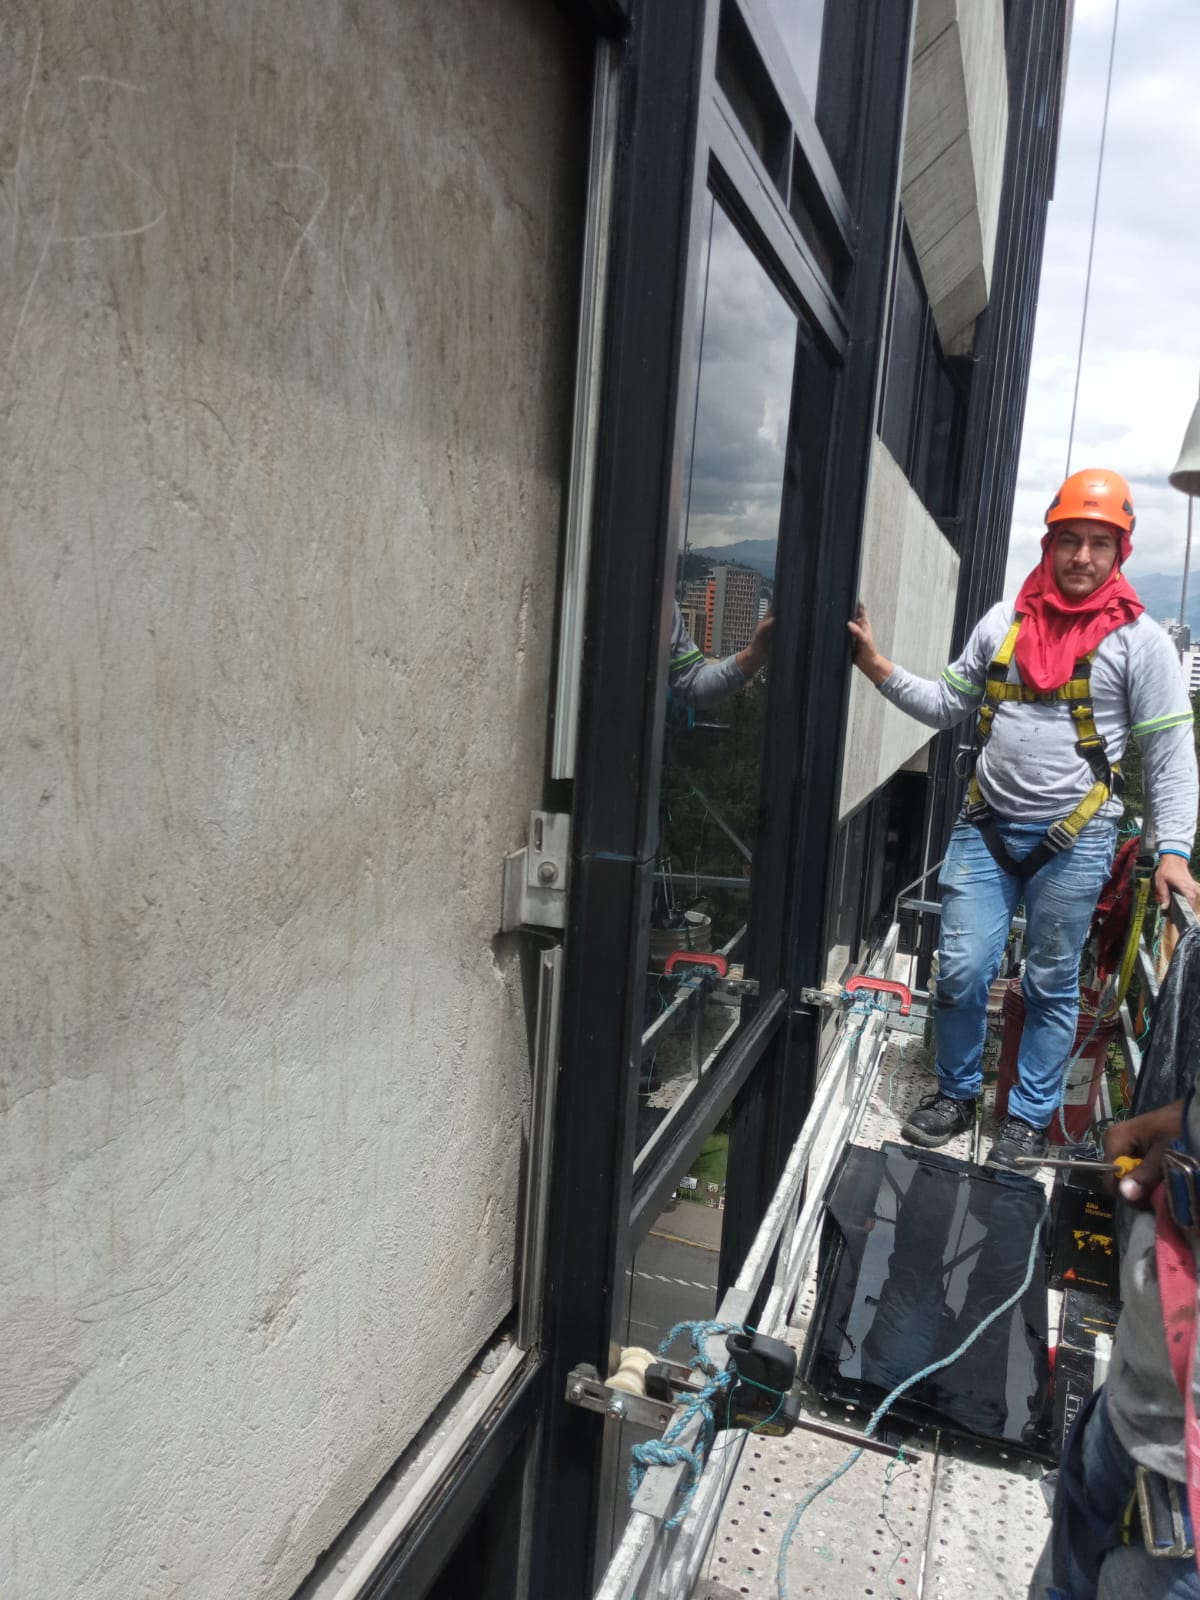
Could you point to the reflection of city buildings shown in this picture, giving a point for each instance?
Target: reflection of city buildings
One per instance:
(735, 613)
(697, 608)
(695, 620)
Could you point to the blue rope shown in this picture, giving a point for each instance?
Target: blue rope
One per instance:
(667, 1451)
(902, 1388)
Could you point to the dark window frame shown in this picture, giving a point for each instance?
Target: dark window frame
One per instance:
(931, 398)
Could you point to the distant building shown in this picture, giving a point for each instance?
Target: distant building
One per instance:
(1191, 670)
(697, 608)
(695, 620)
(735, 613)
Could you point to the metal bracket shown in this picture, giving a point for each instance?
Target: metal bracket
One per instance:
(587, 1390)
(535, 877)
(895, 1021)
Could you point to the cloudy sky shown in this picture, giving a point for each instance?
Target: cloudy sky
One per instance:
(1141, 360)
(746, 362)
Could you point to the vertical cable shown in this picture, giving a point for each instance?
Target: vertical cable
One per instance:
(1087, 287)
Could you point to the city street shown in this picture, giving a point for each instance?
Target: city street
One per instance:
(673, 1281)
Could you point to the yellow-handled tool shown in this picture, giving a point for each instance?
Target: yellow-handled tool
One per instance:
(1122, 1166)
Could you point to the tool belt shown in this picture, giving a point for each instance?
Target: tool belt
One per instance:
(1077, 693)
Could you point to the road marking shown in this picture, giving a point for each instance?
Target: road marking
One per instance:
(684, 1283)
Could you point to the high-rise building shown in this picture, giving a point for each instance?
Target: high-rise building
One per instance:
(1191, 670)
(735, 608)
(695, 620)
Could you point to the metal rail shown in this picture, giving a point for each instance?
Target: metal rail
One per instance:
(657, 1565)
(649, 1561)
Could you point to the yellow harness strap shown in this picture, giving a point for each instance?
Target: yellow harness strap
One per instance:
(1077, 692)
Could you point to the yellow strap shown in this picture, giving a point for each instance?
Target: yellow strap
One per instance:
(1083, 813)
(1077, 692)
(1085, 810)
(1000, 689)
(1005, 653)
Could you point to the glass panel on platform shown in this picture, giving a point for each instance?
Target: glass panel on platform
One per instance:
(918, 1249)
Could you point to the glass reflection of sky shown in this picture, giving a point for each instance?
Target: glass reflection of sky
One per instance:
(744, 396)
(799, 24)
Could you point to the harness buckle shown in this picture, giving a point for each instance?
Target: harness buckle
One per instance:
(1181, 1175)
(1059, 837)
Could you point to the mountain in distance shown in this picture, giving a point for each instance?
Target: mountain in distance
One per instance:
(1159, 593)
(757, 553)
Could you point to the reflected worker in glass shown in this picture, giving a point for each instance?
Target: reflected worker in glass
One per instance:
(699, 683)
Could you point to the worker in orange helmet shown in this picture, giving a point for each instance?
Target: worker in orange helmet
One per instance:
(1058, 682)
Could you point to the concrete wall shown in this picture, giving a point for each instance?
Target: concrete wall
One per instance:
(954, 156)
(909, 584)
(285, 337)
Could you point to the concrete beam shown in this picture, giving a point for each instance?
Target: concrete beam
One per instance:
(909, 585)
(954, 155)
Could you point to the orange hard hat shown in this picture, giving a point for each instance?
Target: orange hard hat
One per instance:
(1097, 495)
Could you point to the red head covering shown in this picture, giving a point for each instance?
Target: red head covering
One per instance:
(1057, 631)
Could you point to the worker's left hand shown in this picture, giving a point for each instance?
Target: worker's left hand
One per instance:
(1174, 873)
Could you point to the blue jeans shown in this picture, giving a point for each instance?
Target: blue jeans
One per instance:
(979, 900)
(1082, 1559)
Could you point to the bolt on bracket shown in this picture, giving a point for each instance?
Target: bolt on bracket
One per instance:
(535, 877)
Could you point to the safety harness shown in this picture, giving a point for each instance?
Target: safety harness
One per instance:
(1077, 693)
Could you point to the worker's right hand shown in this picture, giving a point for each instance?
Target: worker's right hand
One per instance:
(1147, 1138)
(863, 648)
(862, 635)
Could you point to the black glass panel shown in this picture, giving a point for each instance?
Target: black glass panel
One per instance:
(918, 1248)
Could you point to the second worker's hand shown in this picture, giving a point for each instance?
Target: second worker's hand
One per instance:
(1147, 1138)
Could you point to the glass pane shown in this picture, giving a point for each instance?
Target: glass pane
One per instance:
(906, 351)
(918, 1249)
(717, 705)
(799, 23)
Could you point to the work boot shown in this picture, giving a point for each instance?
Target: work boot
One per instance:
(1016, 1139)
(935, 1120)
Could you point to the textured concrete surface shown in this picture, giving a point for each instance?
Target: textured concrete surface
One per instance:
(285, 337)
(909, 585)
(954, 156)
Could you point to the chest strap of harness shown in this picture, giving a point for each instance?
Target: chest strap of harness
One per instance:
(1077, 693)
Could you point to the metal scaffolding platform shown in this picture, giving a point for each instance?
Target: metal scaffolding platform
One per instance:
(955, 1520)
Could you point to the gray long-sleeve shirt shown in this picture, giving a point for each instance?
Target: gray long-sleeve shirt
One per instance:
(698, 682)
(1144, 1403)
(1030, 770)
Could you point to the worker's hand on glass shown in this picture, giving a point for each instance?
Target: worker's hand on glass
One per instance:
(866, 654)
(757, 653)
(1174, 873)
(1145, 1137)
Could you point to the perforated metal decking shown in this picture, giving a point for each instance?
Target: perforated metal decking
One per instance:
(958, 1520)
